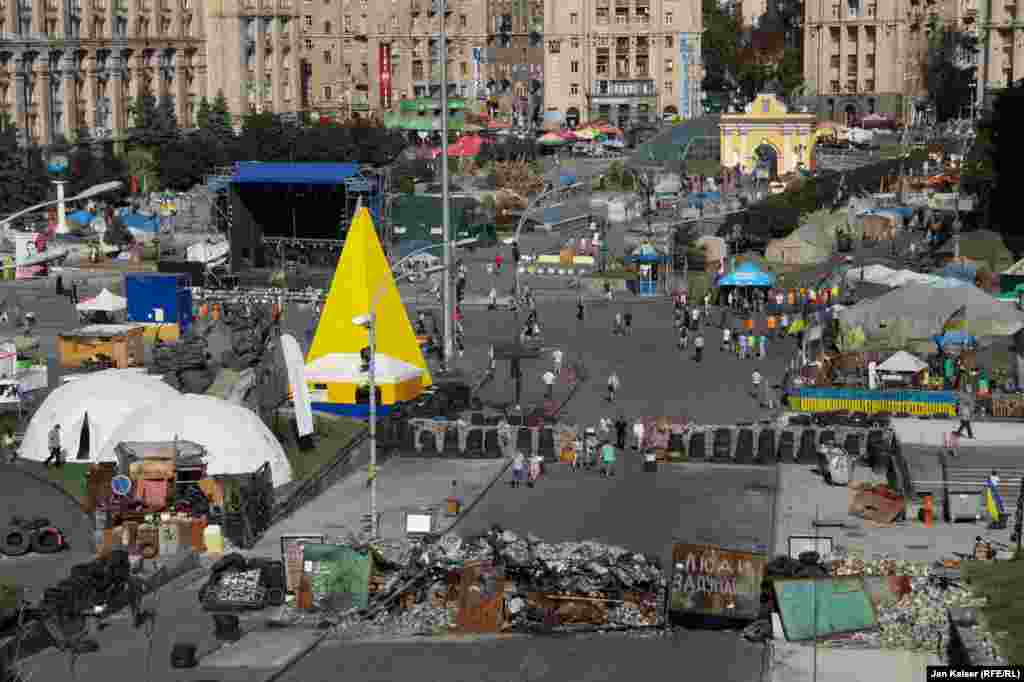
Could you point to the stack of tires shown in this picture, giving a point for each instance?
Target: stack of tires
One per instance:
(22, 536)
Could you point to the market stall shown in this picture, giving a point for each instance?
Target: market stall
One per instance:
(747, 276)
(647, 260)
(901, 369)
(117, 345)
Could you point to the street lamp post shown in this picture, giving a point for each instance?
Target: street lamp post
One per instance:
(93, 191)
(369, 322)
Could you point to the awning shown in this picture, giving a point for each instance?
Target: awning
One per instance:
(748, 275)
(256, 172)
(106, 301)
(902, 361)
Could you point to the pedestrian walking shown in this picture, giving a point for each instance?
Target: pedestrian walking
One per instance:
(762, 347)
(74, 293)
(771, 326)
(617, 329)
(638, 434)
(579, 309)
(497, 262)
(698, 347)
(608, 290)
(556, 358)
(607, 460)
(518, 469)
(628, 322)
(743, 346)
(726, 339)
(755, 380)
(684, 339)
(620, 431)
(549, 384)
(54, 442)
(694, 318)
(707, 303)
(613, 386)
(965, 410)
(60, 285)
(492, 299)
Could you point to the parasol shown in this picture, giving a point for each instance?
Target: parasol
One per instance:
(551, 140)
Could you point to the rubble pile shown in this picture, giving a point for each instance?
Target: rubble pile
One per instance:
(880, 567)
(184, 364)
(419, 587)
(917, 621)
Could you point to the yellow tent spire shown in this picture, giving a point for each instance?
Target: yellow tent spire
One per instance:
(363, 273)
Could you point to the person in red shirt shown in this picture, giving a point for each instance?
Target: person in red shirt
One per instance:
(497, 263)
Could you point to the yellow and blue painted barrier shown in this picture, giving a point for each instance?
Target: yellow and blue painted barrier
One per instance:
(865, 400)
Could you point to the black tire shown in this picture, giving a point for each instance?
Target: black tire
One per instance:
(47, 541)
(15, 542)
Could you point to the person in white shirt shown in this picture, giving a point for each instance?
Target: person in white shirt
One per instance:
(492, 299)
(726, 339)
(557, 356)
(549, 384)
(755, 379)
(638, 434)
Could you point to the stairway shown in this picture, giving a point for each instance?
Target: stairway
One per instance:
(970, 476)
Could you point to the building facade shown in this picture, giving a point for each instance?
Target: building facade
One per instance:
(767, 136)
(68, 65)
(999, 25)
(627, 61)
(869, 56)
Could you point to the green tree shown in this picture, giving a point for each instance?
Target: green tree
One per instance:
(948, 84)
(165, 120)
(1001, 162)
(719, 47)
(203, 114)
(219, 120)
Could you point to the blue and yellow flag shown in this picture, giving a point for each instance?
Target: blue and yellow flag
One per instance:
(957, 321)
(993, 501)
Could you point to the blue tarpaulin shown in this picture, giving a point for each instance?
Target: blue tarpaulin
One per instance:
(904, 212)
(697, 199)
(141, 223)
(747, 275)
(955, 338)
(962, 271)
(81, 217)
(256, 172)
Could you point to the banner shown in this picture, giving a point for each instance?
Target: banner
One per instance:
(384, 74)
(297, 378)
(713, 581)
(477, 81)
(689, 88)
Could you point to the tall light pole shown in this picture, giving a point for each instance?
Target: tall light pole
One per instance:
(441, 7)
(369, 322)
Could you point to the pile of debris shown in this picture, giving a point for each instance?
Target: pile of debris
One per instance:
(917, 620)
(501, 581)
(880, 567)
(184, 364)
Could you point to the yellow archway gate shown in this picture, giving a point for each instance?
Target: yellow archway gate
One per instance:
(767, 121)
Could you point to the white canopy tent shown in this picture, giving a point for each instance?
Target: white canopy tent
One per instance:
(106, 301)
(235, 438)
(96, 403)
(347, 367)
(903, 362)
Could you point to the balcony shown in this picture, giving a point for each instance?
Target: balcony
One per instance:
(623, 89)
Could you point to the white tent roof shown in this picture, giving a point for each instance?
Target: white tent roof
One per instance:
(236, 439)
(345, 367)
(902, 361)
(105, 301)
(103, 398)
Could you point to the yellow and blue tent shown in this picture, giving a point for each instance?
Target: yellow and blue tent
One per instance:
(334, 373)
(993, 501)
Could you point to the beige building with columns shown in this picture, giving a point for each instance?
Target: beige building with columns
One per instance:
(79, 64)
(628, 61)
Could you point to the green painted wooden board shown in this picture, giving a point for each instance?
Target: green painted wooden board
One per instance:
(843, 605)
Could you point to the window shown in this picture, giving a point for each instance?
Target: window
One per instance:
(327, 56)
(869, 86)
(307, 21)
(463, 21)
(574, 18)
(555, 46)
(668, 87)
(348, 22)
(602, 15)
(669, 66)
(669, 42)
(668, 18)
(327, 92)
(834, 86)
(309, 44)
(621, 16)
(464, 69)
(766, 106)
(574, 43)
(574, 89)
(574, 66)
(327, 27)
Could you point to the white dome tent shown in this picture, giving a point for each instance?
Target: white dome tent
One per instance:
(95, 404)
(235, 439)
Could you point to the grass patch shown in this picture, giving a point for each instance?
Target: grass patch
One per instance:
(1002, 582)
(987, 249)
(71, 477)
(8, 594)
(332, 434)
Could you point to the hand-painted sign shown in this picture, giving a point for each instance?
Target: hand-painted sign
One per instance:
(710, 580)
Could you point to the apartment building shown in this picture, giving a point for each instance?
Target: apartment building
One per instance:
(868, 56)
(512, 65)
(66, 65)
(628, 61)
(999, 24)
(360, 57)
